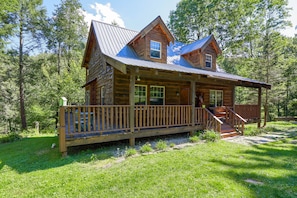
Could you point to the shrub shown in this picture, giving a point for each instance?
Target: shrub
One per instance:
(130, 152)
(161, 145)
(194, 139)
(210, 136)
(146, 148)
(171, 145)
(11, 137)
(253, 131)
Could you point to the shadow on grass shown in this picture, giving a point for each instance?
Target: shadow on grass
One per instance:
(35, 153)
(272, 166)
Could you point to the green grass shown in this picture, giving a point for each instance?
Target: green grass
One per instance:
(30, 168)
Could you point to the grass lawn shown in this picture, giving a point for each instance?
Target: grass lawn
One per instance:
(30, 168)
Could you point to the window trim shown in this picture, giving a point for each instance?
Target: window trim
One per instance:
(140, 85)
(208, 55)
(216, 97)
(151, 49)
(164, 91)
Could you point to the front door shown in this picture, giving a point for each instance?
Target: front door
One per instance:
(185, 96)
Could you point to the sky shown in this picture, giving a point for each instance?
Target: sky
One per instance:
(136, 14)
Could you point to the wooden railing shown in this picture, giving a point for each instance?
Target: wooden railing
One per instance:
(210, 121)
(235, 120)
(248, 112)
(94, 118)
(152, 116)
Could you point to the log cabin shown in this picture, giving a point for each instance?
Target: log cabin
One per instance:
(141, 84)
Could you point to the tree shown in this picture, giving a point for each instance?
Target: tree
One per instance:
(7, 7)
(28, 20)
(66, 32)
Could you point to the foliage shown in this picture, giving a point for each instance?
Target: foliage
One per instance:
(210, 136)
(161, 145)
(11, 137)
(146, 148)
(130, 152)
(203, 170)
(194, 139)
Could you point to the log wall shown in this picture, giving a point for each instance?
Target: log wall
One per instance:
(103, 73)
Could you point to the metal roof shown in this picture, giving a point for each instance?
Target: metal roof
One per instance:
(112, 39)
(113, 42)
(195, 45)
(182, 69)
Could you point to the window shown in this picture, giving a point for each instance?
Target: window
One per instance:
(157, 94)
(216, 98)
(208, 60)
(140, 94)
(155, 49)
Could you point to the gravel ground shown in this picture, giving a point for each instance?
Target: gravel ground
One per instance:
(261, 139)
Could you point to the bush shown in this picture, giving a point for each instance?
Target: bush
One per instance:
(253, 131)
(210, 136)
(130, 152)
(146, 148)
(161, 145)
(194, 139)
(11, 137)
(171, 145)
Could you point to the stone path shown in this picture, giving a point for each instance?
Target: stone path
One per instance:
(261, 139)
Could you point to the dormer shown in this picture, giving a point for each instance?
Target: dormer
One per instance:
(203, 53)
(151, 42)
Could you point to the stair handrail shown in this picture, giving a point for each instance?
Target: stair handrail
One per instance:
(213, 124)
(235, 120)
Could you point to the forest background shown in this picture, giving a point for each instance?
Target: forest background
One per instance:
(41, 55)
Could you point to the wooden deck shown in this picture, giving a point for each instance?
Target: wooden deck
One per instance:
(90, 124)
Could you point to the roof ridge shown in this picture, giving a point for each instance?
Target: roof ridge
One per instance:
(113, 25)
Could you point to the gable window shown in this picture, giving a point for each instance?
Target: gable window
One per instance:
(140, 95)
(216, 98)
(155, 49)
(208, 61)
(157, 94)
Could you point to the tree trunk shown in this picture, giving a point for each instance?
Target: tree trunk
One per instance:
(21, 80)
(59, 59)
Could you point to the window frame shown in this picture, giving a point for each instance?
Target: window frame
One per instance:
(208, 61)
(216, 97)
(158, 97)
(156, 50)
(139, 85)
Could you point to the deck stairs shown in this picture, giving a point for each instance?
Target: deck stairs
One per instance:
(226, 129)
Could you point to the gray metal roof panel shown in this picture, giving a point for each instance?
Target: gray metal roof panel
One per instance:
(112, 39)
(182, 69)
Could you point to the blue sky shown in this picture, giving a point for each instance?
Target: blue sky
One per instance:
(136, 14)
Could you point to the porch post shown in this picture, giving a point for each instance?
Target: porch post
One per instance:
(62, 135)
(233, 90)
(132, 105)
(193, 94)
(259, 106)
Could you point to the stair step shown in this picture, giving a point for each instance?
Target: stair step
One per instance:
(229, 134)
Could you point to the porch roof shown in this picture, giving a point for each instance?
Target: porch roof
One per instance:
(188, 70)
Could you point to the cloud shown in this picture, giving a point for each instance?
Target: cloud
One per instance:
(103, 13)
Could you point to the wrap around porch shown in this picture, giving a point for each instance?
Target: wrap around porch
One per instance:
(80, 125)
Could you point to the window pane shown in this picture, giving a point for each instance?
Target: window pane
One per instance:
(157, 95)
(155, 49)
(140, 95)
(208, 60)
